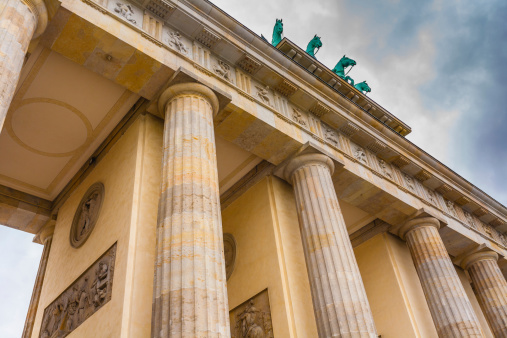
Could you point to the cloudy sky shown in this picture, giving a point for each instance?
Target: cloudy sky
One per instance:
(440, 66)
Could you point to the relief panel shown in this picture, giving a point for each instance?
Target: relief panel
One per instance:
(176, 41)
(252, 318)
(126, 11)
(81, 299)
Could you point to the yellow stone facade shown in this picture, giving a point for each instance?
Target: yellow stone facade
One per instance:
(336, 225)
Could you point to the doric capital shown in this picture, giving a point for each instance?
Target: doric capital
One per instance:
(38, 8)
(478, 256)
(307, 160)
(418, 222)
(187, 88)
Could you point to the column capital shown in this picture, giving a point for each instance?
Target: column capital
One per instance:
(38, 8)
(188, 88)
(307, 160)
(478, 256)
(421, 218)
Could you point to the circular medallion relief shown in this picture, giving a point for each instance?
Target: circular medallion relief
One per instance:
(86, 215)
(229, 254)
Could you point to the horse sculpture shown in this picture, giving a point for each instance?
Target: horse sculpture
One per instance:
(315, 43)
(339, 69)
(277, 32)
(363, 87)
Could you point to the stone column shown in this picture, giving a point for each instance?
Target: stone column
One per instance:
(450, 308)
(45, 236)
(20, 22)
(190, 293)
(491, 288)
(339, 299)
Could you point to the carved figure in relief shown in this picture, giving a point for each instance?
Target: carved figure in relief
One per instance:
(262, 93)
(223, 70)
(488, 230)
(126, 11)
(298, 117)
(175, 42)
(87, 212)
(450, 207)
(330, 135)
(385, 169)
(360, 155)
(410, 183)
(431, 197)
(469, 219)
(250, 329)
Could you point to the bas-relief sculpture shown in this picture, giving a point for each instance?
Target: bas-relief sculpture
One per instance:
(252, 319)
(451, 208)
(470, 219)
(86, 215)
(175, 42)
(298, 116)
(410, 182)
(223, 70)
(262, 93)
(330, 135)
(360, 155)
(385, 170)
(82, 299)
(126, 11)
(229, 254)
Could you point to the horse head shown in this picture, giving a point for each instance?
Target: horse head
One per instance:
(277, 32)
(346, 62)
(363, 87)
(316, 41)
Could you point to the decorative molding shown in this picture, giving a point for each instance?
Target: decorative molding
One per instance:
(286, 88)
(423, 175)
(444, 189)
(401, 161)
(496, 222)
(207, 38)
(349, 129)
(249, 64)
(81, 299)
(480, 212)
(376, 146)
(370, 230)
(161, 8)
(86, 215)
(152, 39)
(204, 70)
(319, 109)
(462, 201)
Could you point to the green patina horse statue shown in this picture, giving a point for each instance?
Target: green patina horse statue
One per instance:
(315, 43)
(363, 87)
(339, 69)
(277, 32)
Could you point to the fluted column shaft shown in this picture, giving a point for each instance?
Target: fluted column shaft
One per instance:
(339, 299)
(46, 237)
(491, 288)
(190, 294)
(449, 305)
(19, 21)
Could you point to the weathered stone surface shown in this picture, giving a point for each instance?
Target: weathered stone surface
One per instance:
(339, 299)
(82, 299)
(252, 318)
(190, 293)
(449, 305)
(490, 287)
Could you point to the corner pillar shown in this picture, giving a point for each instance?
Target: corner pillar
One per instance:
(190, 292)
(491, 288)
(449, 305)
(45, 236)
(339, 298)
(20, 22)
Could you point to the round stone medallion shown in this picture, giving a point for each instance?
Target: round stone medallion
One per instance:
(229, 254)
(86, 215)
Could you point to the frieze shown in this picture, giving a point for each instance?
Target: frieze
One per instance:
(263, 94)
(81, 299)
(86, 215)
(223, 70)
(174, 40)
(252, 319)
(359, 154)
(298, 117)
